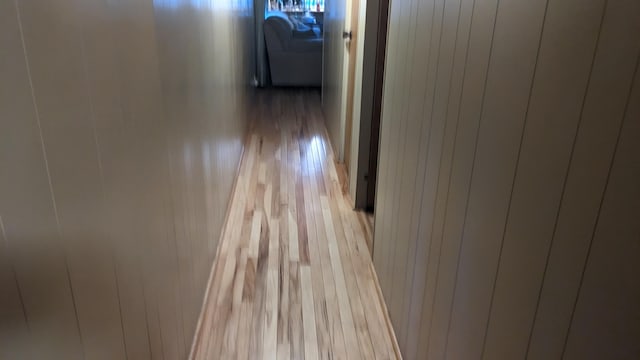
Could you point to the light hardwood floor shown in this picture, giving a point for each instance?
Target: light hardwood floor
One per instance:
(294, 277)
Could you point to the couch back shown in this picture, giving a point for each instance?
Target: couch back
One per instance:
(278, 30)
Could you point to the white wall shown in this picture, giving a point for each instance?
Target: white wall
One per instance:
(508, 198)
(121, 128)
(334, 73)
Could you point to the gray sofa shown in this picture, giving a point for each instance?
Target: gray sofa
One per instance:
(294, 51)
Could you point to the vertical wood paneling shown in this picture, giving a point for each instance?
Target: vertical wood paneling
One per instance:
(74, 170)
(505, 104)
(479, 53)
(14, 331)
(119, 156)
(121, 130)
(595, 142)
(494, 154)
(414, 104)
(606, 313)
(447, 251)
(555, 107)
(29, 220)
(398, 25)
(425, 256)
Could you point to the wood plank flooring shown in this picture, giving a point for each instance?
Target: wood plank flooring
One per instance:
(294, 277)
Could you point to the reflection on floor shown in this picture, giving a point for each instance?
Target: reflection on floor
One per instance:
(294, 277)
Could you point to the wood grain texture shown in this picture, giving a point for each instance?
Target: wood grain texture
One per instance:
(317, 300)
(503, 132)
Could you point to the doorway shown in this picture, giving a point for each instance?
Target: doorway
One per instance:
(290, 43)
(351, 66)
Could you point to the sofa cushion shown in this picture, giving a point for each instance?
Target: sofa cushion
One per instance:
(307, 34)
(305, 45)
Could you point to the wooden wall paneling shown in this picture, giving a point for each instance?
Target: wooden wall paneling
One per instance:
(396, 68)
(177, 88)
(479, 72)
(417, 142)
(593, 150)
(182, 247)
(183, 301)
(179, 156)
(459, 17)
(605, 319)
(114, 146)
(178, 33)
(563, 68)
(515, 162)
(474, 76)
(123, 159)
(116, 142)
(213, 159)
(210, 212)
(421, 280)
(423, 50)
(58, 79)
(510, 74)
(192, 162)
(400, 124)
(111, 204)
(14, 331)
(166, 269)
(150, 141)
(34, 247)
(142, 106)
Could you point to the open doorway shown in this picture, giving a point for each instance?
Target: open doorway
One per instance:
(367, 131)
(337, 46)
(290, 42)
(355, 42)
(355, 45)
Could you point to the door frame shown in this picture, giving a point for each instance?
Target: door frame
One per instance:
(353, 13)
(364, 172)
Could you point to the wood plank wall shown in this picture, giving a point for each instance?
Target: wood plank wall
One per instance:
(121, 129)
(508, 203)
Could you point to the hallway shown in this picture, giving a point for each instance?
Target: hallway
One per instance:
(293, 277)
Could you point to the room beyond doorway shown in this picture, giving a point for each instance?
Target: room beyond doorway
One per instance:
(290, 43)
